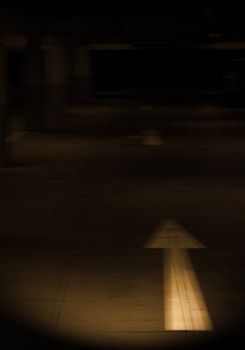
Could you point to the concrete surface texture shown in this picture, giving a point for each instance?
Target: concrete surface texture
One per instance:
(76, 212)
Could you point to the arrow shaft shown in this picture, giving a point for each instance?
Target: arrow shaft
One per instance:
(184, 305)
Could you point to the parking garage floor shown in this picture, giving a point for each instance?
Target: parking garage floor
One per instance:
(77, 210)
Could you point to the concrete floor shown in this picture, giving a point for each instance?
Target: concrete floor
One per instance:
(76, 211)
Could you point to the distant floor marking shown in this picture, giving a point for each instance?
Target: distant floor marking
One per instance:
(184, 305)
(210, 109)
(16, 136)
(152, 138)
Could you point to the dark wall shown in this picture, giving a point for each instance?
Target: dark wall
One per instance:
(160, 70)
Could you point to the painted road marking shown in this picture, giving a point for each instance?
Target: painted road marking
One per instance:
(16, 136)
(152, 138)
(210, 109)
(184, 305)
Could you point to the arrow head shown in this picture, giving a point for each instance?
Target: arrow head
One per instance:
(170, 235)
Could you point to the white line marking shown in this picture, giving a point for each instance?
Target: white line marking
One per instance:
(184, 305)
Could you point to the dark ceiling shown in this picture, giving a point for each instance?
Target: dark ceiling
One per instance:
(153, 18)
(209, 10)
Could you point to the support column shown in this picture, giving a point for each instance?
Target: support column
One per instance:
(80, 80)
(3, 106)
(34, 89)
(55, 78)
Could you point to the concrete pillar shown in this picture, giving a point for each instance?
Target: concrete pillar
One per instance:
(3, 106)
(34, 88)
(55, 78)
(80, 75)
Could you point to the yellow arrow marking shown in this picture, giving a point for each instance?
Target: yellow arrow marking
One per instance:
(184, 305)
